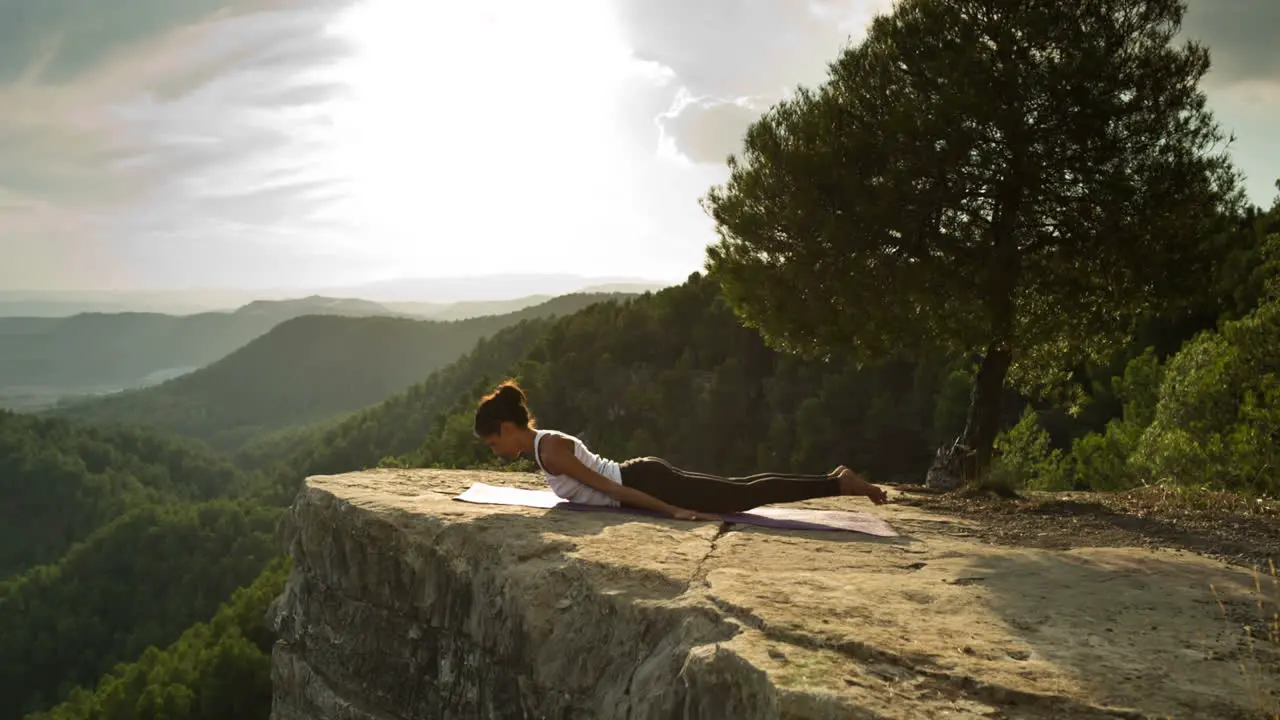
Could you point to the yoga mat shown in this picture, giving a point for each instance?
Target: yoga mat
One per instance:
(772, 517)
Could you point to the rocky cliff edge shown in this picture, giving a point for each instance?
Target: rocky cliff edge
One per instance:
(404, 603)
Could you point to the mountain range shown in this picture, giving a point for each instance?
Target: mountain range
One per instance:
(306, 369)
(424, 296)
(44, 360)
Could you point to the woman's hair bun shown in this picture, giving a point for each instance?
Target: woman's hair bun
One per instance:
(505, 404)
(509, 391)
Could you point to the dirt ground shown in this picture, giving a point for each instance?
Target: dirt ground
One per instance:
(1226, 527)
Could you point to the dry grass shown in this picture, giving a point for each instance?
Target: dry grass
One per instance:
(1259, 660)
(1171, 499)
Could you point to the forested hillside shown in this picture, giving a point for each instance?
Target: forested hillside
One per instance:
(101, 349)
(675, 375)
(112, 540)
(60, 481)
(399, 424)
(670, 373)
(44, 359)
(115, 540)
(305, 370)
(215, 670)
(138, 581)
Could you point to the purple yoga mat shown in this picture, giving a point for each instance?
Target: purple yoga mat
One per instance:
(773, 517)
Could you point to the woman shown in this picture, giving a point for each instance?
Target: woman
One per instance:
(579, 475)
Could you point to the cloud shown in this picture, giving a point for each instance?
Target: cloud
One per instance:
(346, 137)
(148, 142)
(729, 60)
(67, 38)
(1241, 36)
(1243, 84)
(708, 130)
(156, 102)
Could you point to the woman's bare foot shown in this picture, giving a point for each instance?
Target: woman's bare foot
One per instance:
(851, 483)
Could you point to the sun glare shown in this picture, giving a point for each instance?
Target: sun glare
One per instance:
(477, 122)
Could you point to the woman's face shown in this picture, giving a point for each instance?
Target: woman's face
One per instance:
(504, 442)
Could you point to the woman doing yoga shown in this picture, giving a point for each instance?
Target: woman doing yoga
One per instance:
(577, 474)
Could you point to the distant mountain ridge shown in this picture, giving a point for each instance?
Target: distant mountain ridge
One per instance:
(45, 359)
(425, 290)
(305, 370)
(482, 288)
(315, 305)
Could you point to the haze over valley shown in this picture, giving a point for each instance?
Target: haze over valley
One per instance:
(451, 297)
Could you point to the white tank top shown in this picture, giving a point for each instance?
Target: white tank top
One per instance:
(570, 489)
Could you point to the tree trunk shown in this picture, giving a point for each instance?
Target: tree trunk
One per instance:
(983, 423)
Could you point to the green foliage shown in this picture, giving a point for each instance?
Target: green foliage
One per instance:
(60, 481)
(1139, 389)
(304, 371)
(1025, 457)
(1101, 460)
(216, 670)
(1016, 186)
(272, 449)
(1216, 423)
(112, 552)
(1249, 270)
(138, 581)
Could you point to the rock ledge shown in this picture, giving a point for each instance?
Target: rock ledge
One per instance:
(403, 603)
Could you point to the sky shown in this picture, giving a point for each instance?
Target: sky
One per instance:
(169, 144)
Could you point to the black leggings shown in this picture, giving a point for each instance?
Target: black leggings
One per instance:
(710, 493)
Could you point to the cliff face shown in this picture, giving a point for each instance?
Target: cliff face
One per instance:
(406, 604)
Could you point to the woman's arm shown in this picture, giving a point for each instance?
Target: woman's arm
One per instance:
(557, 457)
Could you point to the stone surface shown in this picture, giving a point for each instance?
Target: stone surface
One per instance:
(405, 604)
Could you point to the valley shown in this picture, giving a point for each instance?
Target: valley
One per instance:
(1016, 264)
